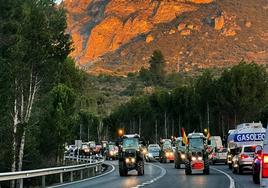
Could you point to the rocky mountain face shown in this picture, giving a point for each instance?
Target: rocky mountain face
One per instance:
(119, 36)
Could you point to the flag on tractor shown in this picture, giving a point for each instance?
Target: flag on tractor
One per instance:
(184, 136)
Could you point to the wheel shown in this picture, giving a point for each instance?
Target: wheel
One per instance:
(240, 170)
(230, 166)
(140, 168)
(177, 166)
(122, 169)
(188, 170)
(206, 169)
(256, 178)
(234, 170)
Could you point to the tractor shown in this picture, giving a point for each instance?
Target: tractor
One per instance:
(130, 155)
(196, 154)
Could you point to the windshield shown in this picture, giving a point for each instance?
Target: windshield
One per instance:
(249, 149)
(152, 149)
(196, 143)
(166, 145)
(131, 142)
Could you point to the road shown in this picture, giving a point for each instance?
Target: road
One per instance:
(159, 175)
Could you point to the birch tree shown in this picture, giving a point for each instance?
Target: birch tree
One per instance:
(33, 57)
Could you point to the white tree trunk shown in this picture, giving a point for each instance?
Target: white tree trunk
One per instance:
(21, 152)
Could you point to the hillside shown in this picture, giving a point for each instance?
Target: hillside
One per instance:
(117, 37)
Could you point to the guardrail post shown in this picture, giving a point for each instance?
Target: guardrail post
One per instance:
(43, 181)
(81, 174)
(21, 183)
(61, 177)
(72, 176)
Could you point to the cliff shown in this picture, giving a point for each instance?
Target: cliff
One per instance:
(118, 36)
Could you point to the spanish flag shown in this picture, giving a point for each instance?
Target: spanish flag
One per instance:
(184, 136)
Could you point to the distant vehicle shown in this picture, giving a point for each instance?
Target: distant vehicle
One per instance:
(70, 149)
(85, 149)
(256, 165)
(243, 159)
(219, 156)
(111, 151)
(196, 154)
(179, 152)
(153, 152)
(130, 155)
(166, 152)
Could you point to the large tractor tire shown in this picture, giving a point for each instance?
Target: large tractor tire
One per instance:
(188, 169)
(177, 165)
(140, 168)
(206, 167)
(122, 169)
(230, 166)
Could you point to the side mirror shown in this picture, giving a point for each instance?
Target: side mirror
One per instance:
(258, 150)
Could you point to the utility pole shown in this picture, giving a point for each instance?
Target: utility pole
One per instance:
(165, 124)
(139, 124)
(156, 131)
(80, 132)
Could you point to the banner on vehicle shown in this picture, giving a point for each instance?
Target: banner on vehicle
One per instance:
(245, 137)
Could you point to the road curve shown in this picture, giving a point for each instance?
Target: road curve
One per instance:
(156, 176)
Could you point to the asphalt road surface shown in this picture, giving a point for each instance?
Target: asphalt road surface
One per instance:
(159, 175)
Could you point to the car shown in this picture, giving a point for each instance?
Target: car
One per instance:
(218, 156)
(256, 164)
(243, 159)
(152, 152)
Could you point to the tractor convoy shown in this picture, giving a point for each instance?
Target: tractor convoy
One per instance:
(244, 149)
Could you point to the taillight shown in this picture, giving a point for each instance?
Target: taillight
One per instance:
(243, 156)
(265, 165)
(214, 154)
(259, 157)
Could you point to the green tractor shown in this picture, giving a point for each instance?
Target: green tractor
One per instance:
(130, 156)
(196, 154)
(179, 153)
(166, 151)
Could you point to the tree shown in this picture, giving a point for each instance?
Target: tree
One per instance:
(35, 45)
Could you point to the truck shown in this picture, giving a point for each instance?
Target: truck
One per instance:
(245, 134)
(196, 154)
(130, 155)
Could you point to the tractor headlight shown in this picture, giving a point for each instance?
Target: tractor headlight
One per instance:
(144, 151)
(167, 154)
(193, 158)
(111, 153)
(127, 160)
(182, 156)
(133, 160)
(200, 158)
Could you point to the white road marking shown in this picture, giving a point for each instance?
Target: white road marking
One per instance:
(232, 184)
(163, 172)
(79, 181)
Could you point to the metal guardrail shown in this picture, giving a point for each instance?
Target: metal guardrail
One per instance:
(91, 163)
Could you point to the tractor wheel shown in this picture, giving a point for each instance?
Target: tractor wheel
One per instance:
(122, 169)
(140, 168)
(177, 165)
(206, 167)
(256, 178)
(230, 166)
(188, 169)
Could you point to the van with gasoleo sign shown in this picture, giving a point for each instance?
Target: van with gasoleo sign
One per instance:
(246, 134)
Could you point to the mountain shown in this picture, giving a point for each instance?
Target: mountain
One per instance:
(118, 36)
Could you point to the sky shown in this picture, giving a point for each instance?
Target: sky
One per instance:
(58, 1)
